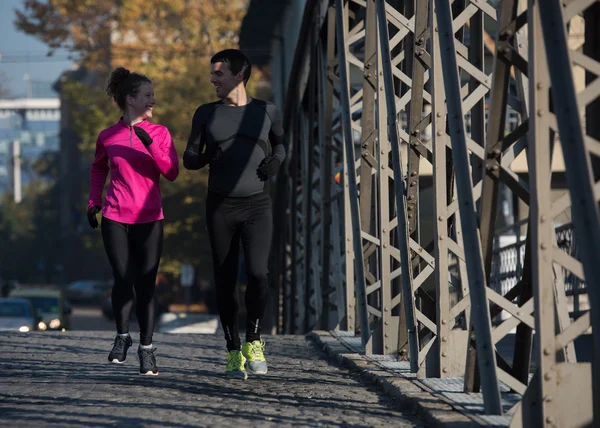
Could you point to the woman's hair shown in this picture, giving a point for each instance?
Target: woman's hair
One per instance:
(122, 83)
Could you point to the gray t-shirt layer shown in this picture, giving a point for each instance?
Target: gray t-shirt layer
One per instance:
(246, 134)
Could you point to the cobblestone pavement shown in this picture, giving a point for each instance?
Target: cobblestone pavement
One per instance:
(51, 379)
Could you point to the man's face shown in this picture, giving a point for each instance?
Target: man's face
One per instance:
(223, 79)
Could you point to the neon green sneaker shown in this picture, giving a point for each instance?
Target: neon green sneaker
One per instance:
(235, 365)
(253, 351)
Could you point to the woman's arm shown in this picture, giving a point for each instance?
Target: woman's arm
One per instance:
(165, 155)
(98, 174)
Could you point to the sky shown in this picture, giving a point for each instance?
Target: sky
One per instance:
(21, 54)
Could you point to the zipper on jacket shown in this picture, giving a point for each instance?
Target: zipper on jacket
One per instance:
(130, 136)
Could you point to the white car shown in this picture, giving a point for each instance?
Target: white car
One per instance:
(17, 314)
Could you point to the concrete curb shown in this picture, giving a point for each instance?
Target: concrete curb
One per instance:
(436, 411)
(179, 323)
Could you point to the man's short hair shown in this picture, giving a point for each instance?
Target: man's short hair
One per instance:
(237, 62)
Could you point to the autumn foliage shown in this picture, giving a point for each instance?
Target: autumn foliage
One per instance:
(171, 41)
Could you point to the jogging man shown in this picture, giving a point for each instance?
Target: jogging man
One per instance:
(242, 140)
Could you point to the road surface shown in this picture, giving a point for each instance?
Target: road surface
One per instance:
(63, 379)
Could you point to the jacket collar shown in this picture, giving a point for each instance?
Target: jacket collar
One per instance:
(143, 124)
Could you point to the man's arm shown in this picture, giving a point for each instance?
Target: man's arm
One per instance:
(192, 157)
(276, 134)
(270, 165)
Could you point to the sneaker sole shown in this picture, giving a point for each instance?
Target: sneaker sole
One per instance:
(243, 376)
(251, 370)
(137, 358)
(116, 361)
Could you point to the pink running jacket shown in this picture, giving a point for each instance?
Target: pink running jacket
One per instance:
(133, 194)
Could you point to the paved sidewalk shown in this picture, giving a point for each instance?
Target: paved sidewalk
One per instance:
(62, 379)
(188, 323)
(440, 402)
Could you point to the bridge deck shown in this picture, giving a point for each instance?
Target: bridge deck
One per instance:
(51, 379)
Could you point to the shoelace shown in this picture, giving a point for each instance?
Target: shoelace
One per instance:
(258, 349)
(119, 343)
(147, 358)
(147, 352)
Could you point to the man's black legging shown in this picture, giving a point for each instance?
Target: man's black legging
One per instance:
(134, 252)
(250, 220)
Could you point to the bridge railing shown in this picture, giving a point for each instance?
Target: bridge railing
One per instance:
(392, 238)
(509, 259)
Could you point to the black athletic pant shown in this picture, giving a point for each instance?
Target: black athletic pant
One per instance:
(230, 220)
(134, 252)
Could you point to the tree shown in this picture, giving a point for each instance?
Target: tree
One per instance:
(171, 41)
(82, 26)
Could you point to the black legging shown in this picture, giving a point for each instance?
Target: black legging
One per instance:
(134, 252)
(229, 220)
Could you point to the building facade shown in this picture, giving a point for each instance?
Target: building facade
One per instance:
(28, 127)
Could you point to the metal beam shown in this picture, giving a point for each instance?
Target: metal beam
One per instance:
(578, 169)
(402, 228)
(477, 283)
(353, 210)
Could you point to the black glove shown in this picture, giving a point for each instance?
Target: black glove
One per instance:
(268, 168)
(91, 215)
(142, 135)
(213, 152)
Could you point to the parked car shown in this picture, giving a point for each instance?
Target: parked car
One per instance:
(17, 315)
(6, 285)
(106, 306)
(87, 291)
(163, 299)
(107, 309)
(49, 304)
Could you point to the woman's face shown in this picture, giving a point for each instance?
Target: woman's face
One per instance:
(143, 103)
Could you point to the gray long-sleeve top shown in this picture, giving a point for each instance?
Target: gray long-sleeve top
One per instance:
(246, 134)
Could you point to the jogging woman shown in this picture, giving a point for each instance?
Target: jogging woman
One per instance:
(136, 152)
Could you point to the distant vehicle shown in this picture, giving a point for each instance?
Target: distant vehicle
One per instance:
(162, 301)
(17, 315)
(107, 309)
(7, 285)
(49, 304)
(106, 306)
(87, 291)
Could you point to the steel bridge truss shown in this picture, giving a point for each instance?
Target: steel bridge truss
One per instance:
(398, 151)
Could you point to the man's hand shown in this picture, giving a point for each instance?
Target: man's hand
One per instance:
(91, 215)
(142, 135)
(213, 152)
(268, 168)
